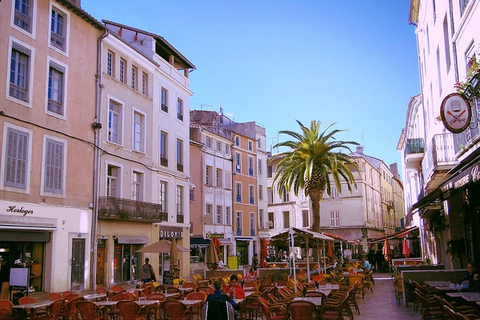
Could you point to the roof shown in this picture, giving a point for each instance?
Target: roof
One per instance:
(82, 13)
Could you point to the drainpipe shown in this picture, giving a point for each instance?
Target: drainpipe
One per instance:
(96, 126)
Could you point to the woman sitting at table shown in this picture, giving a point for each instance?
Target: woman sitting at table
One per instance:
(470, 280)
(234, 289)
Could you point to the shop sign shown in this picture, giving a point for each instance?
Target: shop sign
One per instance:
(21, 210)
(210, 235)
(170, 232)
(469, 175)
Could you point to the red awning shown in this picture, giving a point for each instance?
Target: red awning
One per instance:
(400, 234)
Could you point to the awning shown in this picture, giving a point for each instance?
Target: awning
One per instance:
(431, 197)
(299, 234)
(464, 177)
(196, 242)
(226, 242)
(399, 234)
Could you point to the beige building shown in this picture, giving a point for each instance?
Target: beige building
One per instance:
(48, 54)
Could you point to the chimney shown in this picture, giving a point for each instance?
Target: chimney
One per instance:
(360, 149)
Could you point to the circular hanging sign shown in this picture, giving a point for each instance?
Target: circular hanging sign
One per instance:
(456, 113)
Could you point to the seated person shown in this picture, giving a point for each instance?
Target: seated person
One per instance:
(234, 289)
(216, 307)
(221, 265)
(365, 265)
(470, 280)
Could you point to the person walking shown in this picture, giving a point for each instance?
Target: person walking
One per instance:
(147, 272)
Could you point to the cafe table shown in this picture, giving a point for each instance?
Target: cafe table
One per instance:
(317, 301)
(468, 296)
(437, 283)
(32, 308)
(95, 296)
(326, 289)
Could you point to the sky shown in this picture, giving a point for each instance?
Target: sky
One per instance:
(350, 63)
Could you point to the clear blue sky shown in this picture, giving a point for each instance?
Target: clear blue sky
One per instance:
(352, 62)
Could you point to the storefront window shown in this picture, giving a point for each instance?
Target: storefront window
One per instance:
(127, 262)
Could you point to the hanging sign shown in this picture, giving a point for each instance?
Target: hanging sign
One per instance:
(456, 113)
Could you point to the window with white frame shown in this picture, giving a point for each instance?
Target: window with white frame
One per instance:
(335, 218)
(219, 146)
(286, 219)
(23, 14)
(115, 111)
(260, 192)
(137, 186)
(239, 222)
(238, 192)
(227, 216)
(58, 24)
(252, 223)
(138, 132)
(179, 155)
(227, 148)
(259, 166)
(208, 142)
(286, 196)
(164, 100)
(56, 83)
(163, 196)
(54, 166)
(208, 175)
(113, 181)
(269, 195)
(260, 218)
(111, 64)
(180, 109)
(251, 194)
(250, 145)
(271, 220)
(238, 162)
(219, 215)
(305, 218)
(250, 166)
(19, 72)
(163, 149)
(144, 83)
(17, 146)
(219, 178)
(123, 71)
(208, 212)
(237, 141)
(179, 201)
(134, 79)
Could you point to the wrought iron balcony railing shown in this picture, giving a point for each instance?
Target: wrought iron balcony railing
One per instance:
(111, 208)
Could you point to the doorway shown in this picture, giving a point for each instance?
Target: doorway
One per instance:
(78, 264)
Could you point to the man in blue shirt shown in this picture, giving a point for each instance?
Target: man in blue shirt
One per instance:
(365, 265)
(217, 308)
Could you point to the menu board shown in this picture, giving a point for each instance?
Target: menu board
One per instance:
(19, 278)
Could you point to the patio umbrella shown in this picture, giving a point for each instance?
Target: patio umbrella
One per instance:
(387, 251)
(162, 246)
(330, 253)
(406, 249)
(212, 256)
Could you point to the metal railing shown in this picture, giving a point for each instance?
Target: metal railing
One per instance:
(124, 209)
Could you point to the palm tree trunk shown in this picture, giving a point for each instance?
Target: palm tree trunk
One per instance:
(315, 211)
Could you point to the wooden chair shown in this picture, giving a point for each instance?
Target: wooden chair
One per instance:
(367, 281)
(26, 300)
(360, 280)
(117, 288)
(101, 290)
(398, 284)
(90, 311)
(6, 309)
(156, 296)
(301, 310)
(272, 312)
(130, 310)
(57, 310)
(175, 310)
(55, 296)
(120, 297)
(333, 309)
(206, 290)
(71, 307)
(70, 296)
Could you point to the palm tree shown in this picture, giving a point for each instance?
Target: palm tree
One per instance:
(313, 160)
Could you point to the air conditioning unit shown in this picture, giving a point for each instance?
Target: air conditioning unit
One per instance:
(207, 219)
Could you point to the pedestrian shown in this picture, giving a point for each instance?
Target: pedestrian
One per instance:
(470, 280)
(255, 263)
(147, 272)
(379, 258)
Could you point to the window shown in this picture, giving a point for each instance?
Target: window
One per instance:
(260, 218)
(269, 195)
(227, 148)
(54, 166)
(57, 29)
(238, 162)
(16, 158)
(208, 175)
(271, 223)
(251, 194)
(163, 149)
(286, 219)
(137, 190)
(269, 171)
(250, 166)
(250, 145)
(238, 192)
(123, 71)
(333, 193)
(55, 88)
(23, 14)
(219, 214)
(179, 155)
(227, 216)
(138, 132)
(239, 223)
(208, 142)
(19, 72)
(179, 201)
(260, 192)
(111, 64)
(144, 83)
(286, 196)
(237, 141)
(164, 100)
(446, 43)
(208, 212)
(252, 223)
(259, 143)
(259, 166)
(113, 176)
(180, 109)
(219, 146)
(163, 196)
(334, 218)
(219, 177)
(134, 84)
(114, 122)
(304, 218)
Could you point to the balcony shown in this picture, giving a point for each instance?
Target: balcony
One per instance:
(111, 208)
(438, 159)
(414, 153)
